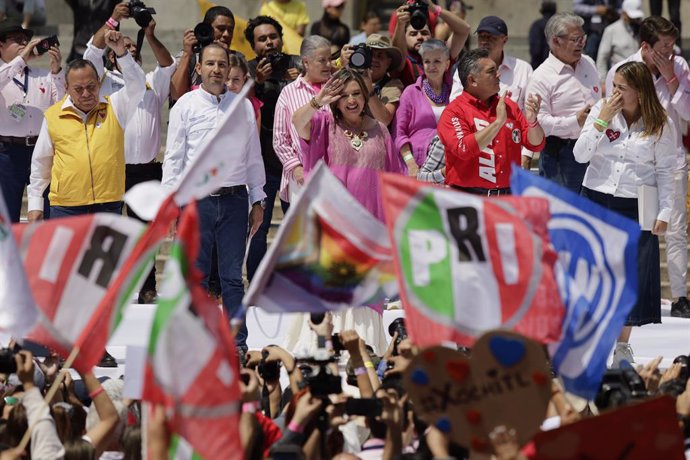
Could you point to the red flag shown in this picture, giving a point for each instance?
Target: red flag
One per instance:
(192, 368)
(468, 264)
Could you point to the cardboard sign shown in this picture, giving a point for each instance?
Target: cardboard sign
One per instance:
(506, 382)
(640, 431)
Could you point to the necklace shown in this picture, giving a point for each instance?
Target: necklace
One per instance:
(356, 140)
(440, 99)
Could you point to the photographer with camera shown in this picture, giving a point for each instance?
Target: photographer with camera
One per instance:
(377, 58)
(412, 29)
(217, 27)
(273, 71)
(142, 133)
(25, 93)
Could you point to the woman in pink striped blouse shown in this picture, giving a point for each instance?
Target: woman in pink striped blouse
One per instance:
(316, 54)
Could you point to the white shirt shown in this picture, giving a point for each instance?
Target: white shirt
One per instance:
(677, 106)
(617, 43)
(564, 91)
(514, 76)
(192, 118)
(42, 159)
(621, 159)
(43, 90)
(143, 131)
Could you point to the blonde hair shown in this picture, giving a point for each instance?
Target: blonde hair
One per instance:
(639, 78)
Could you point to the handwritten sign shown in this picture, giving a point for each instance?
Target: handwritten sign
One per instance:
(506, 382)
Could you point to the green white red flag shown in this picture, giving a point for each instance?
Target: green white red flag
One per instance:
(468, 264)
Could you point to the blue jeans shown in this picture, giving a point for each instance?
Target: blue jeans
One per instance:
(114, 207)
(225, 220)
(258, 244)
(15, 167)
(557, 162)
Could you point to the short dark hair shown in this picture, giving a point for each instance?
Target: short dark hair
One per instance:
(79, 64)
(469, 64)
(369, 15)
(260, 21)
(214, 45)
(216, 11)
(653, 26)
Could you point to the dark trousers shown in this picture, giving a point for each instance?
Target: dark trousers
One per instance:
(655, 7)
(136, 174)
(15, 167)
(557, 162)
(224, 220)
(258, 245)
(114, 207)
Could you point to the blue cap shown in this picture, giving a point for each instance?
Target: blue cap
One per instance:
(493, 25)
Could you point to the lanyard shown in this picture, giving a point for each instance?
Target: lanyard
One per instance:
(24, 86)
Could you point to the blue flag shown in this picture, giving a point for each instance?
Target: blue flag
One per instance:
(597, 277)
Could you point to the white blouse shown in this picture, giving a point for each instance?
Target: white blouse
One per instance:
(621, 159)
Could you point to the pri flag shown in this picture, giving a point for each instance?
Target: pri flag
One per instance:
(71, 263)
(468, 264)
(17, 308)
(597, 250)
(330, 253)
(191, 367)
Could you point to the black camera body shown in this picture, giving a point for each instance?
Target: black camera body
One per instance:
(204, 35)
(44, 45)
(419, 14)
(268, 370)
(361, 57)
(398, 325)
(8, 365)
(619, 387)
(280, 62)
(371, 407)
(318, 376)
(141, 13)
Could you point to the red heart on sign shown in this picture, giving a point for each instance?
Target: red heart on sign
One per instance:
(612, 135)
(458, 370)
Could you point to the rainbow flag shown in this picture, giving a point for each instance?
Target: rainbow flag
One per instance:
(330, 253)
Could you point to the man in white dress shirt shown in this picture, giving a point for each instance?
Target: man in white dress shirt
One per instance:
(223, 215)
(672, 83)
(142, 133)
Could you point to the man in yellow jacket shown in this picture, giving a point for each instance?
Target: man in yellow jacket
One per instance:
(80, 149)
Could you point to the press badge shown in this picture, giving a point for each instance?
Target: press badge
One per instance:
(17, 112)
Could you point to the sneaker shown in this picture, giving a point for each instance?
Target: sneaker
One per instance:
(681, 308)
(623, 352)
(107, 361)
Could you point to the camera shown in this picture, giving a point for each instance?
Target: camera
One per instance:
(280, 62)
(44, 45)
(204, 36)
(7, 363)
(268, 370)
(371, 407)
(319, 377)
(618, 387)
(361, 57)
(419, 14)
(398, 325)
(141, 13)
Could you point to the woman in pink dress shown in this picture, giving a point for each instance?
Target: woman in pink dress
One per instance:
(351, 142)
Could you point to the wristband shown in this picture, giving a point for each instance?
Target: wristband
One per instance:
(408, 157)
(96, 392)
(112, 23)
(368, 364)
(674, 79)
(315, 105)
(296, 427)
(361, 371)
(533, 124)
(602, 123)
(329, 344)
(338, 64)
(250, 407)
(437, 10)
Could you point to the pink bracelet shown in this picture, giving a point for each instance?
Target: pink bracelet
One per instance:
(437, 10)
(533, 124)
(112, 23)
(674, 79)
(250, 407)
(295, 427)
(360, 371)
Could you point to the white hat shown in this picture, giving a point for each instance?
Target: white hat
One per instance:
(633, 8)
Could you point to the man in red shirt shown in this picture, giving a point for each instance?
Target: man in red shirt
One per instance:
(483, 133)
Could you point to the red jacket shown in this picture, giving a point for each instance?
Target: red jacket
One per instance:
(466, 165)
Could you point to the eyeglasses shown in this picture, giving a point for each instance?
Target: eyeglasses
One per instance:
(576, 40)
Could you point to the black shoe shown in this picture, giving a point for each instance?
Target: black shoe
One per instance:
(148, 297)
(107, 361)
(681, 308)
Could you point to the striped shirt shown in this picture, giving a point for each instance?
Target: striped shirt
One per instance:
(285, 138)
(430, 171)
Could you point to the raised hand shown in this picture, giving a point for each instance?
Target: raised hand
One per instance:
(330, 91)
(501, 113)
(611, 107)
(532, 105)
(55, 59)
(116, 41)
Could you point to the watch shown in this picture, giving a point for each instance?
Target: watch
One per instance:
(261, 203)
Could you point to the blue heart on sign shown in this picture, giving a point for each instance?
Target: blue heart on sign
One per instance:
(508, 352)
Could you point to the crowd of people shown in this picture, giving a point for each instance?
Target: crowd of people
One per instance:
(603, 104)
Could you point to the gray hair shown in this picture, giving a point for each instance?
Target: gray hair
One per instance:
(434, 45)
(313, 43)
(558, 25)
(469, 64)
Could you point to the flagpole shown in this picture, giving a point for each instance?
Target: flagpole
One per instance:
(51, 393)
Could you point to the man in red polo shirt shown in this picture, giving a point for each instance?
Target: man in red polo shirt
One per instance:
(483, 133)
